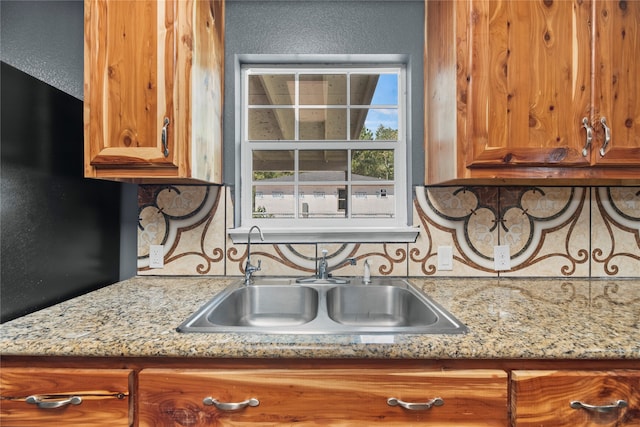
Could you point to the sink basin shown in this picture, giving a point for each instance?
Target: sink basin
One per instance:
(378, 306)
(282, 306)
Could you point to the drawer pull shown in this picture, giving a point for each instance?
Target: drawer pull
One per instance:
(225, 406)
(589, 129)
(44, 402)
(576, 404)
(392, 401)
(607, 136)
(164, 137)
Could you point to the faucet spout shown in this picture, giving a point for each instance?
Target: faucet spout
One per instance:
(249, 269)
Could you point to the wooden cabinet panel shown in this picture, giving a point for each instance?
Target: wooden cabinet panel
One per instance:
(617, 82)
(322, 397)
(542, 398)
(154, 89)
(104, 393)
(524, 80)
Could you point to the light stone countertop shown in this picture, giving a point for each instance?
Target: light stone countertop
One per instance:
(507, 319)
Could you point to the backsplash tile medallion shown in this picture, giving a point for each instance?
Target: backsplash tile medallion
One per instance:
(615, 232)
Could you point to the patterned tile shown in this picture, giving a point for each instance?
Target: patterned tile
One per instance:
(615, 232)
(187, 221)
(547, 230)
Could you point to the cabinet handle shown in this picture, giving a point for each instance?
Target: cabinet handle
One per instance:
(225, 406)
(589, 129)
(45, 402)
(607, 136)
(392, 401)
(576, 404)
(165, 131)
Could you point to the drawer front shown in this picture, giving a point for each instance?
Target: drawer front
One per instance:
(322, 397)
(543, 398)
(104, 397)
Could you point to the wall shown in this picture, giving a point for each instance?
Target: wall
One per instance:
(552, 232)
(61, 235)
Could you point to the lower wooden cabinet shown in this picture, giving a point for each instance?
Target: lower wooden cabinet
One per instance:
(575, 398)
(65, 397)
(336, 397)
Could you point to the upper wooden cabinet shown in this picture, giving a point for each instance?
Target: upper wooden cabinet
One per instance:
(153, 90)
(527, 82)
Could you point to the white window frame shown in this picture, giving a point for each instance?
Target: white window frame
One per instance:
(280, 230)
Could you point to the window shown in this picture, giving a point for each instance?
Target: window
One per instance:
(323, 148)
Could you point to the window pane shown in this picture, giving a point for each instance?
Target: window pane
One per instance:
(322, 201)
(380, 124)
(369, 201)
(323, 89)
(266, 89)
(273, 165)
(323, 124)
(372, 165)
(374, 89)
(323, 165)
(266, 124)
(273, 201)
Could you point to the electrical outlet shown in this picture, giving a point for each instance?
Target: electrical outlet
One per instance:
(445, 258)
(156, 256)
(501, 258)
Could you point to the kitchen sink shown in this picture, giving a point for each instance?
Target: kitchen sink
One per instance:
(282, 306)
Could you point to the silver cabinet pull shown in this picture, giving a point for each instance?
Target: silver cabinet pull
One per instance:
(589, 129)
(225, 406)
(607, 136)
(576, 404)
(165, 142)
(392, 401)
(44, 402)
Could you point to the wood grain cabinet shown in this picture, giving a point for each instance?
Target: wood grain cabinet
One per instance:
(173, 397)
(575, 398)
(65, 397)
(538, 89)
(153, 90)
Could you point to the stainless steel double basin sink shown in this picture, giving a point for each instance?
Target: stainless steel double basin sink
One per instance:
(282, 306)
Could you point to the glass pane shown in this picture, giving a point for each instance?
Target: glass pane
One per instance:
(323, 89)
(266, 89)
(273, 165)
(271, 124)
(374, 89)
(323, 165)
(273, 201)
(379, 124)
(372, 165)
(322, 201)
(323, 124)
(369, 201)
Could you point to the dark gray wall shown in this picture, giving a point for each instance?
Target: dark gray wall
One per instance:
(61, 234)
(326, 27)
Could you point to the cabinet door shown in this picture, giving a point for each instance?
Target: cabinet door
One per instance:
(529, 80)
(322, 397)
(617, 82)
(543, 398)
(103, 394)
(130, 73)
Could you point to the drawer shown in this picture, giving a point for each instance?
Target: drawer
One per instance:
(543, 398)
(322, 397)
(100, 397)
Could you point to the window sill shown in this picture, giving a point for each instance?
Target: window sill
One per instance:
(329, 235)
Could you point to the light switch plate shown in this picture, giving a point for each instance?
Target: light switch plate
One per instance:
(501, 258)
(445, 258)
(156, 256)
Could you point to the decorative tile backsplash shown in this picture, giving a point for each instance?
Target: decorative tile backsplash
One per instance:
(550, 231)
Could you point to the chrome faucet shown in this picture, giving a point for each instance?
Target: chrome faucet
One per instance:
(250, 269)
(323, 267)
